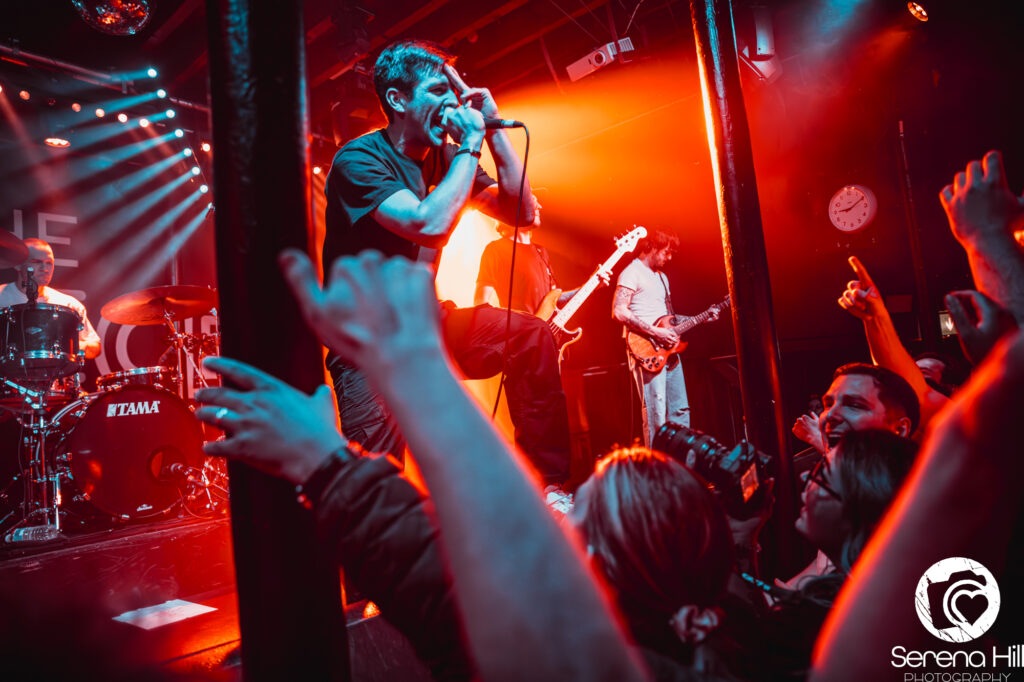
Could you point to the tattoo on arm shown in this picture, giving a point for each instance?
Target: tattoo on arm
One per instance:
(623, 296)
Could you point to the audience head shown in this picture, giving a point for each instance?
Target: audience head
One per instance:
(942, 372)
(864, 396)
(847, 494)
(403, 65)
(656, 534)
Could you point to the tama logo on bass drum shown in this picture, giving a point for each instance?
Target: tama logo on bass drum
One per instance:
(139, 407)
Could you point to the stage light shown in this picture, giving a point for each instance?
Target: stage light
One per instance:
(161, 93)
(196, 170)
(100, 113)
(58, 142)
(917, 11)
(178, 132)
(205, 146)
(116, 17)
(1, 89)
(187, 153)
(123, 118)
(203, 189)
(317, 170)
(24, 94)
(76, 107)
(170, 113)
(151, 72)
(143, 122)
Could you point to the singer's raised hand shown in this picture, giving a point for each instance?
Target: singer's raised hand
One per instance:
(477, 98)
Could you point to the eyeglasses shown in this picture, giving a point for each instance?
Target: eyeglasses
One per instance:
(817, 475)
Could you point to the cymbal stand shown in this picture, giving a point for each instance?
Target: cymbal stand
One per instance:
(185, 346)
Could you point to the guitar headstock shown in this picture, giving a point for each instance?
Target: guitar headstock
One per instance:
(628, 241)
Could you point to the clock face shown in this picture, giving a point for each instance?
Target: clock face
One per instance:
(852, 208)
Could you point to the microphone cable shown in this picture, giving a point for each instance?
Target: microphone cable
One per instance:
(512, 278)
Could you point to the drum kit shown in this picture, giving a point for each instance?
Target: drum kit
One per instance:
(132, 450)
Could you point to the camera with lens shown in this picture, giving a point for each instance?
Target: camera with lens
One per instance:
(734, 475)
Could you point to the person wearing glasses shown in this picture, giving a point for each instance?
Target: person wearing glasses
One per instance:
(845, 497)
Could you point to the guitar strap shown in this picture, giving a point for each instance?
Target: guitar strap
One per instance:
(668, 299)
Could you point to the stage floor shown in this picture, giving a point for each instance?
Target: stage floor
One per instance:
(158, 597)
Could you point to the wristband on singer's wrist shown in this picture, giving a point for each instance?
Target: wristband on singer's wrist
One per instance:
(309, 491)
(466, 150)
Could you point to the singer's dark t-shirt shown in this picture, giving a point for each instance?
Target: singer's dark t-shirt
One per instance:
(365, 172)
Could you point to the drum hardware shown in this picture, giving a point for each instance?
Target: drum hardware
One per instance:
(41, 483)
(168, 305)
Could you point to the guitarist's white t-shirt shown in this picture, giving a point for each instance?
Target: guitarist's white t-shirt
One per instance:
(650, 300)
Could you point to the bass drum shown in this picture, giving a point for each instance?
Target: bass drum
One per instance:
(128, 449)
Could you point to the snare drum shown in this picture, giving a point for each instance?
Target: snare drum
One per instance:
(40, 342)
(127, 448)
(160, 377)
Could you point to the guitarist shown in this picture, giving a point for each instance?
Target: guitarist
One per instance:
(642, 296)
(533, 278)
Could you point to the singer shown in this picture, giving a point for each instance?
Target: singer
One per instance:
(400, 190)
(33, 281)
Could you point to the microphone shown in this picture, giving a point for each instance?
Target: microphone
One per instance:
(496, 123)
(31, 287)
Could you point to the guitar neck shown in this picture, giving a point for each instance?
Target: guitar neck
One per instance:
(563, 316)
(691, 322)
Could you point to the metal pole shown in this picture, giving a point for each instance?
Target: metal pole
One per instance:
(746, 262)
(289, 594)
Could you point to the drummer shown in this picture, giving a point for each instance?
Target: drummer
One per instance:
(40, 259)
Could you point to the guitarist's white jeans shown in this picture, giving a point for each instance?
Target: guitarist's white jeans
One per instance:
(662, 396)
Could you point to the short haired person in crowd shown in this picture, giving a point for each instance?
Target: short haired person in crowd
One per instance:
(40, 260)
(863, 300)
(400, 190)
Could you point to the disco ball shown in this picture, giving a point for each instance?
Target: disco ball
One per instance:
(116, 17)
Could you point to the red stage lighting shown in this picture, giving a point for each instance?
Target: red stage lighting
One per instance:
(917, 11)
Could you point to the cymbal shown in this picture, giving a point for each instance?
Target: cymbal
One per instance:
(13, 251)
(156, 304)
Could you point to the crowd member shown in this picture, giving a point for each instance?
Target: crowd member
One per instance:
(400, 190)
(662, 545)
(533, 279)
(505, 553)
(861, 397)
(844, 499)
(642, 296)
(963, 499)
(41, 262)
(863, 300)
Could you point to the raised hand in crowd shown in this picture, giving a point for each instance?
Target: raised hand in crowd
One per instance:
(267, 423)
(863, 300)
(506, 553)
(980, 322)
(807, 428)
(984, 214)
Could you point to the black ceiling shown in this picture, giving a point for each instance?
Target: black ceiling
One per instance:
(501, 43)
